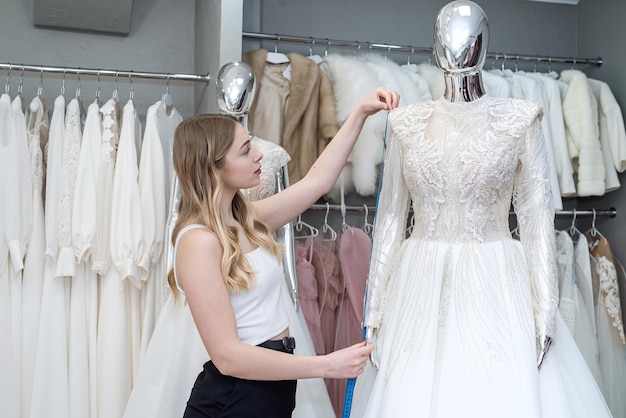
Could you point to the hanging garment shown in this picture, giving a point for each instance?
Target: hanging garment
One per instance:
(459, 304)
(588, 345)
(9, 391)
(352, 80)
(167, 119)
(50, 397)
(612, 132)
(84, 225)
(307, 290)
(309, 119)
(580, 111)
(354, 247)
(34, 263)
(579, 320)
(113, 369)
(553, 114)
(152, 192)
(78, 341)
(611, 339)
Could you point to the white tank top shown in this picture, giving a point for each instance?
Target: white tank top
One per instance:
(260, 312)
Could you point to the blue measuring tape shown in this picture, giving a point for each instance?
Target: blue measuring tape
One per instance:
(347, 403)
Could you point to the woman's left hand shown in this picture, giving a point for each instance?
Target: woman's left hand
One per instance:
(381, 99)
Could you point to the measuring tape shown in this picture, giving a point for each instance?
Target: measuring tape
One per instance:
(347, 403)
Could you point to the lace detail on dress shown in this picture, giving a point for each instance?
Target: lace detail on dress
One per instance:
(274, 158)
(461, 194)
(110, 130)
(69, 168)
(38, 126)
(463, 165)
(610, 291)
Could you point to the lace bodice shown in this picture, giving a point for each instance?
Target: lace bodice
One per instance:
(274, 158)
(461, 165)
(458, 194)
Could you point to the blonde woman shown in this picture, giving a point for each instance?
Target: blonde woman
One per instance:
(228, 267)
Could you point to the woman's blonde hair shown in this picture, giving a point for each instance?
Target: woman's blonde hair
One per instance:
(200, 146)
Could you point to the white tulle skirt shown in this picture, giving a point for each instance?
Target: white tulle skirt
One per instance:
(458, 340)
(176, 354)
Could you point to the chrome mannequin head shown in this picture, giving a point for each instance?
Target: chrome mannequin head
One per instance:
(461, 37)
(461, 40)
(235, 89)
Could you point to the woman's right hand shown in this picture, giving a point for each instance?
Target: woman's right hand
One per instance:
(348, 362)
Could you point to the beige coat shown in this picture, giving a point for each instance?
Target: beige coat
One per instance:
(310, 119)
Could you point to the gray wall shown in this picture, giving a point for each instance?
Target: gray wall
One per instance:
(591, 29)
(161, 39)
(516, 26)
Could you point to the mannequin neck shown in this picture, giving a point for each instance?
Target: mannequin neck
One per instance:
(243, 119)
(463, 87)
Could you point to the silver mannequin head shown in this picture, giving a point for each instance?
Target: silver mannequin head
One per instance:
(235, 89)
(461, 37)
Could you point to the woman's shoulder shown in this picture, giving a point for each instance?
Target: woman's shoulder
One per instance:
(198, 235)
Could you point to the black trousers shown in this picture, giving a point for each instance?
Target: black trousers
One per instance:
(216, 395)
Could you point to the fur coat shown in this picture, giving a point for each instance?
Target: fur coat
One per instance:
(580, 111)
(310, 119)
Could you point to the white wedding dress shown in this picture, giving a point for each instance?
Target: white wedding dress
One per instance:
(459, 304)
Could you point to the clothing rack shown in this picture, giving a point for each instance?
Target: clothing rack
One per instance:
(610, 213)
(358, 45)
(102, 72)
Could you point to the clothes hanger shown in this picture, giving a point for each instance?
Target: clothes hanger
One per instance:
(367, 227)
(98, 90)
(131, 94)
(344, 224)
(20, 86)
(7, 85)
(328, 232)
(114, 95)
(573, 231)
(308, 230)
(166, 98)
(34, 104)
(593, 231)
(314, 57)
(276, 57)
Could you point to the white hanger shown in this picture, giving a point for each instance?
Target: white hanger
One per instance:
(34, 104)
(329, 233)
(309, 230)
(276, 57)
(344, 224)
(367, 227)
(594, 231)
(573, 231)
(315, 58)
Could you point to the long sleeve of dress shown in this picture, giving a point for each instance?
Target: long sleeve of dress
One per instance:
(152, 195)
(126, 228)
(19, 191)
(531, 200)
(84, 210)
(389, 232)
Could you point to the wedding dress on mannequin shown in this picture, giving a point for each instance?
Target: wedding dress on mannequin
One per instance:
(461, 313)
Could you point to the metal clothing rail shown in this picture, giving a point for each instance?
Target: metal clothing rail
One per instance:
(611, 213)
(103, 72)
(326, 43)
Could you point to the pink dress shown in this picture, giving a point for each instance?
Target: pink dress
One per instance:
(307, 289)
(354, 249)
